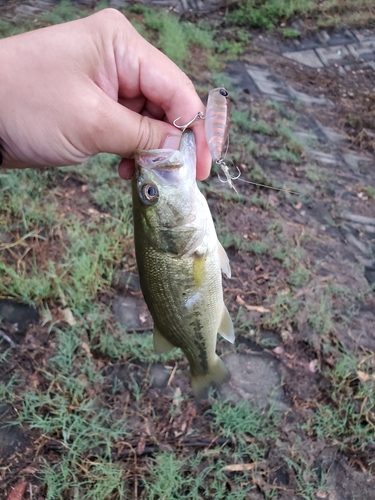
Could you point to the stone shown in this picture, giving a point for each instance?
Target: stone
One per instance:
(326, 158)
(355, 243)
(364, 51)
(27, 12)
(12, 440)
(307, 137)
(159, 375)
(331, 134)
(306, 57)
(132, 313)
(370, 274)
(256, 378)
(333, 55)
(355, 161)
(45, 4)
(364, 34)
(308, 99)
(17, 314)
(267, 83)
(118, 4)
(306, 44)
(358, 219)
(342, 38)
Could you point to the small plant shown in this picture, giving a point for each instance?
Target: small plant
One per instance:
(291, 33)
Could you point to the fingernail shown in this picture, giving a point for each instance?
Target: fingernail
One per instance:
(172, 142)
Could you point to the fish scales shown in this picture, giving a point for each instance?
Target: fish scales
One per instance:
(179, 261)
(158, 285)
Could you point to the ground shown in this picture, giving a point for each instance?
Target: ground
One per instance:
(87, 410)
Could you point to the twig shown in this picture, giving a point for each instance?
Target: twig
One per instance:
(8, 339)
(199, 443)
(20, 240)
(172, 374)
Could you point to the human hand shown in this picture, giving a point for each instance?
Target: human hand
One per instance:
(70, 91)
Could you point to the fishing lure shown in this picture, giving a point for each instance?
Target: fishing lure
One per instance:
(217, 119)
(216, 128)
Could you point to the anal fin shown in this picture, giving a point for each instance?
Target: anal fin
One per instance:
(161, 344)
(226, 328)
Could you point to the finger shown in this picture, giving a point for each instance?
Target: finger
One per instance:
(121, 131)
(126, 169)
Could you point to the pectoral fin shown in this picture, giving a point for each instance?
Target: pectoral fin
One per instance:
(161, 344)
(224, 261)
(226, 328)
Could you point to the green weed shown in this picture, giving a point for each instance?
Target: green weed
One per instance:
(309, 479)
(349, 419)
(285, 155)
(299, 276)
(291, 33)
(261, 127)
(174, 37)
(241, 420)
(265, 14)
(176, 478)
(315, 174)
(62, 13)
(23, 200)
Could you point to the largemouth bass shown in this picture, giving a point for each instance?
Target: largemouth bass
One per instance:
(179, 261)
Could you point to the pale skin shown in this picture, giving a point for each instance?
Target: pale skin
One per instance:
(70, 91)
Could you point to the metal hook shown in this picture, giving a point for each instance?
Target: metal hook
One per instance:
(228, 177)
(199, 115)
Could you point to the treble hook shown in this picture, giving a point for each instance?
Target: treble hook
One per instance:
(228, 178)
(199, 115)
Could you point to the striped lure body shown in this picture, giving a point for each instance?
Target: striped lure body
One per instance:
(217, 122)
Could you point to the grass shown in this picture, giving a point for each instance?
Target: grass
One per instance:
(173, 37)
(266, 14)
(348, 418)
(270, 13)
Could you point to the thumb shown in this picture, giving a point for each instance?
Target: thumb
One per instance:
(125, 131)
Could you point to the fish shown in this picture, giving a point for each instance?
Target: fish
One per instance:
(179, 260)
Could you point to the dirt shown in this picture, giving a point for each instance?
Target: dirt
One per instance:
(291, 355)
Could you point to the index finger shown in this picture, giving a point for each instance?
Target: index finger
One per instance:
(143, 69)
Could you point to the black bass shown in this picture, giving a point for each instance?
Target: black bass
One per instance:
(179, 261)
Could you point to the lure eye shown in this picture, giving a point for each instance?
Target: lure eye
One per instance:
(149, 194)
(224, 92)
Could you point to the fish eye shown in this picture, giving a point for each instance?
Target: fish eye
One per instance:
(224, 92)
(149, 194)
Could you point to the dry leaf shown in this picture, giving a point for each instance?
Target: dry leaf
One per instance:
(84, 188)
(143, 318)
(279, 350)
(68, 316)
(313, 365)
(363, 376)
(240, 300)
(321, 494)
(17, 492)
(298, 205)
(141, 444)
(239, 467)
(29, 470)
(86, 347)
(259, 309)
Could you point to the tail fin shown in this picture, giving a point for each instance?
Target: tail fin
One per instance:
(217, 374)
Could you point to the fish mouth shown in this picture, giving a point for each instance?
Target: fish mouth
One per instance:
(159, 159)
(167, 159)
